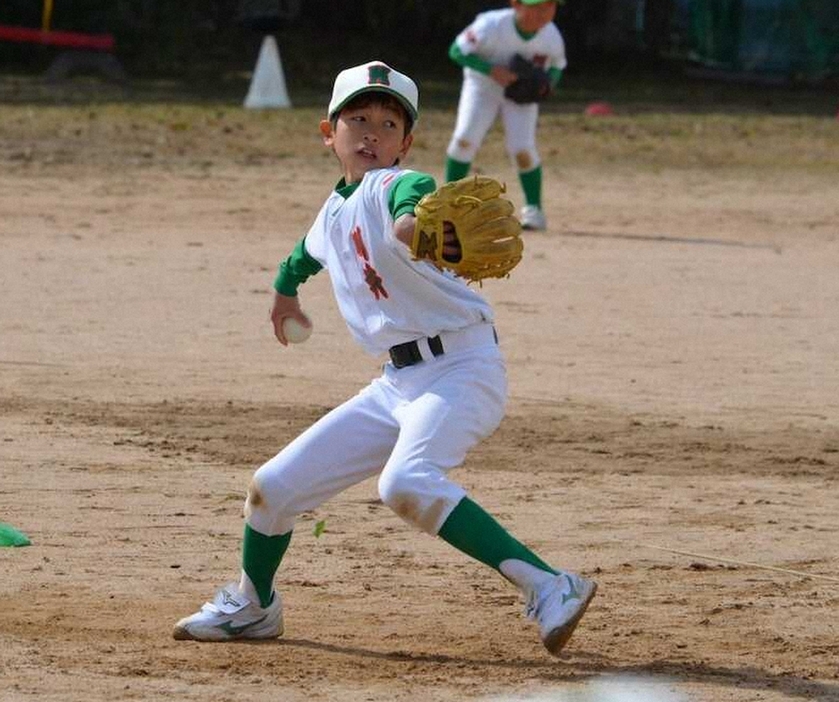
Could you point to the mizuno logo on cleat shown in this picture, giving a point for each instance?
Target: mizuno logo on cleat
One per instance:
(572, 594)
(229, 628)
(228, 599)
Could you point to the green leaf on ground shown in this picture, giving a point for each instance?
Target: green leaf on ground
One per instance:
(9, 536)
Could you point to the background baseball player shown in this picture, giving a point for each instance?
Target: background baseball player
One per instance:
(485, 50)
(442, 391)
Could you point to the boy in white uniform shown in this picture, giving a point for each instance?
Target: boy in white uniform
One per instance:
(443, 390)
(485, 50)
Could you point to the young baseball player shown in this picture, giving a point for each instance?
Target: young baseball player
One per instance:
(442, 390)
(485, 50)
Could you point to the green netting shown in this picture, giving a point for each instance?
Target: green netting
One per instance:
(795, 38)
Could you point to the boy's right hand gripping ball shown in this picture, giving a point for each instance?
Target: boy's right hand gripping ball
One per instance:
(488, 234)
(294, 332)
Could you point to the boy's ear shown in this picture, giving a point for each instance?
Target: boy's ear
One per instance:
(406, 146)
(326, 131)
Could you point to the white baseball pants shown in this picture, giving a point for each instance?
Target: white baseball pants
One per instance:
(410, 426)
(481, 101)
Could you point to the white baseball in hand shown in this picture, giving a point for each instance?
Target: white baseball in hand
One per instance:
(294, 332)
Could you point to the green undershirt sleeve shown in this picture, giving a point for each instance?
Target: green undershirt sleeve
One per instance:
(472, 61)
(408, 191)
(295, 270)
(554, 76)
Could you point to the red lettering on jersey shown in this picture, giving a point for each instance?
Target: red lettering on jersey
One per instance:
(374, 282)
(540, 60)
(470, 37)
(360, 248)
(371, 276)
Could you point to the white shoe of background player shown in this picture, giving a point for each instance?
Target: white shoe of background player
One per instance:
(232, 616)
(533, 219)
(557, 606)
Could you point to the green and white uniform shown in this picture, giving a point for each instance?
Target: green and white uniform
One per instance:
(411, 425)
(444, 390)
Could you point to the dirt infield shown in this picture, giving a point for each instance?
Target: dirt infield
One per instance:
(673, 427)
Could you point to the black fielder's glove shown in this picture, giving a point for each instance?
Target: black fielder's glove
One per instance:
(532, 85)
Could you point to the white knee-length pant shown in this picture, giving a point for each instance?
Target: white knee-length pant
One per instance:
(411, 426)
(481, 102)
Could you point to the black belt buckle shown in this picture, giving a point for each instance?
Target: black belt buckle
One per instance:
(408, 354)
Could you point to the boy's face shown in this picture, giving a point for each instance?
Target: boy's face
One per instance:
(367, 137)
(531, 18)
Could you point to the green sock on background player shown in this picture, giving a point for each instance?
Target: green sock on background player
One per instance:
(476, 533)
(531, 183)
(455, 170)
(261, 556)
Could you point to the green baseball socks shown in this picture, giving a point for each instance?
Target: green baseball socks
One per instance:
(468, 528)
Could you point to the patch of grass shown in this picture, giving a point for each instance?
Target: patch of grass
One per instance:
(153, 123)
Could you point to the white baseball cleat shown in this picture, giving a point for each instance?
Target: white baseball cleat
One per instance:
(533, 219)
(557, 607)
(232, 616)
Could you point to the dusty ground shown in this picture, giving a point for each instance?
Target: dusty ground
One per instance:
(673, 428)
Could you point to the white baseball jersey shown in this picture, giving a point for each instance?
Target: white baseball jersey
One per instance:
(493, 36)
(385, 297)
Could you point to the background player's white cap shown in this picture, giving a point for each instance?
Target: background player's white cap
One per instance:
(369, 77)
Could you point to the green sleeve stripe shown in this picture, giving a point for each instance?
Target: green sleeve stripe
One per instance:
(554, 75)
(408, 191)
(476, 63)
(295, 270)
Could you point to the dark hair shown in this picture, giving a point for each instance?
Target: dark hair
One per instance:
(381, 98)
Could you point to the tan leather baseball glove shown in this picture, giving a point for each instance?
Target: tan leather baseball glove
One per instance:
(468, 228)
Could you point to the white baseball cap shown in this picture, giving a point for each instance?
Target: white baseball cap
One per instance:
(373, 77)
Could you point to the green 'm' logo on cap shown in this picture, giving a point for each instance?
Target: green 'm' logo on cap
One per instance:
(378, 75)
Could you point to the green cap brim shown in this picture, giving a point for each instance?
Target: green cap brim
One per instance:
(377, 89)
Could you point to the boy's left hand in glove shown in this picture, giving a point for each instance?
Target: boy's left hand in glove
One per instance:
(468, 228)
